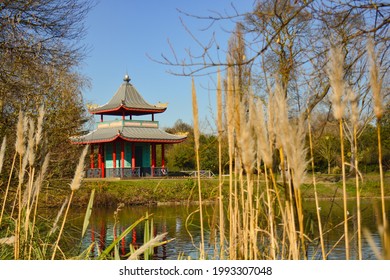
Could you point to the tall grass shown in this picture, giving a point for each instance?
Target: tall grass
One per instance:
(265, 211)
(24, 234)
(196, 138)
(220, 180)
(263, 222)
(336, 80)
(376, 88)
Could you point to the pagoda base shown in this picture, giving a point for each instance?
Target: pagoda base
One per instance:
(126, 172)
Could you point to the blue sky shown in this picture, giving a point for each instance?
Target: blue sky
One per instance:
(123, 33)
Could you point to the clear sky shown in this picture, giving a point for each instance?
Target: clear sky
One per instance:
(123, 33)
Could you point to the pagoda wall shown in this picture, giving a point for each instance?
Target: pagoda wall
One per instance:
(142, 154)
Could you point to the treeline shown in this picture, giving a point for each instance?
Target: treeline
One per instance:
(287, 45)
(326, 148)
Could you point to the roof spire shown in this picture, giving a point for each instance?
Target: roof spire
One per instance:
(126, 78)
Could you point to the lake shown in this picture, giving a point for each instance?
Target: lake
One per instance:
(181, 222)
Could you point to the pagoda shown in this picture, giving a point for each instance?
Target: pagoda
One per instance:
(126, 147)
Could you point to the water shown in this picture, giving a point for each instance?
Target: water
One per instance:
(182, 224)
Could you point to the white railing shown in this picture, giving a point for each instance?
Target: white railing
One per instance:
(126, 172)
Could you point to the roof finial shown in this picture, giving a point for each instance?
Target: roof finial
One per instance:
(126, 78)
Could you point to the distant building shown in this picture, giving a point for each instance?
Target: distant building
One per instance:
(126, 147)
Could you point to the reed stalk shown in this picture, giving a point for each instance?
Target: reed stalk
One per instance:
(75, 185)
(336, 79)
(38, 186)
(196, 138)
(346, 237)
(354, 116)
(220, 184)
(7, 188)
(377, 94)
(230, 134)
(358, 207)
(315, 191)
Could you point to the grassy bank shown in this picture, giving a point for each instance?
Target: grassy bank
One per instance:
(185, 190)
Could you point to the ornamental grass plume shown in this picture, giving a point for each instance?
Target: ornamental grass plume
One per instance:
(38, 135)
(31, 143)
(335, 72)
(21, 129)
(296, 152)
(263, 141)
(336, 79)
(246, 141)
(2, 153)
(353, 100)
(376, 85)
(79, 173)
(75, 185)
(152, 243)
(375, 81)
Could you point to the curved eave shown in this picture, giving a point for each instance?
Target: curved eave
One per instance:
(135, 140)
(128, 111)
(158, 141)
(128, 134)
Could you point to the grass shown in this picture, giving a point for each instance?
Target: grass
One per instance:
(24, 233)
(185, 190)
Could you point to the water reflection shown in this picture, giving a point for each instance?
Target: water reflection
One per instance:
(181, 222)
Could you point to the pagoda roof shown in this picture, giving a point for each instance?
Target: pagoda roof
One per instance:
(130, 134)
(128, 101)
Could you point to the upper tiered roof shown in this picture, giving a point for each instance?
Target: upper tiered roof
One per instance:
(127, 101)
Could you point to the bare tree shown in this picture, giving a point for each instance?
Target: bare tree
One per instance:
(40, 49)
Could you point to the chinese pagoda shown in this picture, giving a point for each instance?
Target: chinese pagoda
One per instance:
(126, 147)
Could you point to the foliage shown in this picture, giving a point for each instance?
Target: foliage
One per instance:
(182, 156)
(40, 51)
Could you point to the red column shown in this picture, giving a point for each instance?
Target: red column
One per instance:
(153, 158)
(122, 153)
(122, 157)
(103, 165)
(133, 156)
(162, 155)
(92, 158)
(101, 159)
(100, 156)
(114, 154)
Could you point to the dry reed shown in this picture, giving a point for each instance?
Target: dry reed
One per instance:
(336, 79)
(323, 253)
(155, 241)
(375, 81)
(196, 139)
(75, 185)
(230, 134)
(354, 116)
(376, 88)
(2, 153)
(220, 184)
